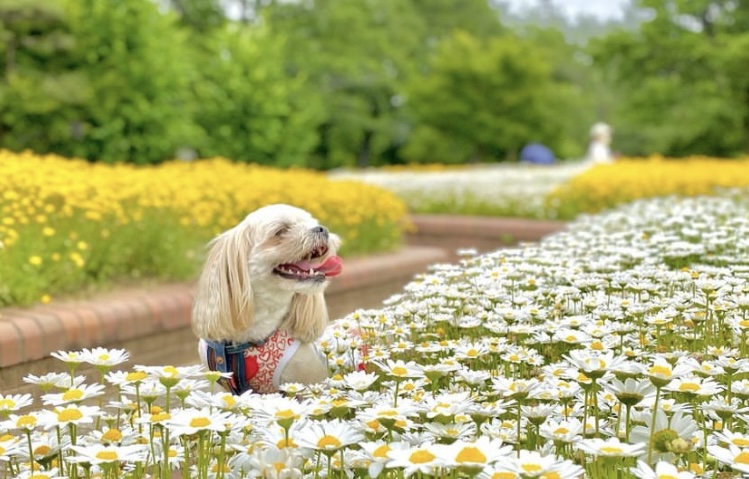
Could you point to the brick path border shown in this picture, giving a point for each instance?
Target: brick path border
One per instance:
(30, 334)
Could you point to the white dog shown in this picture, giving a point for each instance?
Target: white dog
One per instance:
(259, 304)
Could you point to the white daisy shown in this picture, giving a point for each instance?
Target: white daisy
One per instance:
(73, 395)
(424, 459)
(191, 421)
(328, 436)
(101, 454)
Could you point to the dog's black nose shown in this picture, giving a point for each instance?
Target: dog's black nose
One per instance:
(320, 230)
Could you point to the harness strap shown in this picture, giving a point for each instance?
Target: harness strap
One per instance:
(224, 357)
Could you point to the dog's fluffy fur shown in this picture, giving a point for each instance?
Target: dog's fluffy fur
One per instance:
(253, 283)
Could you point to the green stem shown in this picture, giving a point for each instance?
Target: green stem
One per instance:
(652, 425)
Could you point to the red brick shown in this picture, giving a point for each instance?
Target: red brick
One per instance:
(110, 320)
(91, 333)
(141, 322)
(53, 331)
(11, 346)
(156, 306)
(31, 338)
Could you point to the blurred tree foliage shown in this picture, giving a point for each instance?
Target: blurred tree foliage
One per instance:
(331, 83)
(39, 88)
(681, 81)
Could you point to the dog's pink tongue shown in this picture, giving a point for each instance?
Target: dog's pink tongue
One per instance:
(331, 267)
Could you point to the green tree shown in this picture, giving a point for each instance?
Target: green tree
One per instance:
(39, 89)
(136, 62)
(248, 106)
(199, 15)
(485, 98)
(681, 79)
(356, 54)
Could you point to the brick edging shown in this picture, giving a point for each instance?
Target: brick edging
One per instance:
(479, 227)
(29, 334)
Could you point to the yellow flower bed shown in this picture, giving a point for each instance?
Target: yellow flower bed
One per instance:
(65, 223)
(604, 186)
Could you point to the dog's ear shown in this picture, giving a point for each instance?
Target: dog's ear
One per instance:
(222, 308)
(307, 318)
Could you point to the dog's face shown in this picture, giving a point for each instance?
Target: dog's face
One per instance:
(290, 248)
(272, 266)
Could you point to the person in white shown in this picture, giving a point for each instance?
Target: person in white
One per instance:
(600, 139)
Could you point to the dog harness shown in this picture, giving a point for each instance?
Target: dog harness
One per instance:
(256, 366)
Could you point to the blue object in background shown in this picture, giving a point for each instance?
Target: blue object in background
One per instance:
(537, 153)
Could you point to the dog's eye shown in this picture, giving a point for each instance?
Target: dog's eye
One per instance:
(282, 230)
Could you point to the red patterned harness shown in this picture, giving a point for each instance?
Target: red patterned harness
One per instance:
(254, 366)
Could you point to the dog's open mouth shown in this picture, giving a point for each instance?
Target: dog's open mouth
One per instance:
(310, 268)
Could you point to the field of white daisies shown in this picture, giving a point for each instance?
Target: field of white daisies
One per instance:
(615, 349)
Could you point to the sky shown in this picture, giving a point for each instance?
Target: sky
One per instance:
(604, 9)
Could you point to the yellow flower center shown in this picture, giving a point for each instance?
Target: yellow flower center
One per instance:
(399, 371)
(229, 401)
(26, 421)
(561, 430)
(43, 451)
(472, 353)
(611, 450)
(172, 453)
(200, 422)
(103, 357)
(112, 435)
(389, 413)
(286, 414)
(504, 475)
(689, 387)
(107, 455)
(67, 415)
(381, 451)
(740, 441)
(742, 458)
(162, 416)
(531, 468)
(72, 395)
(328, 442)
(596, 345)
(421, 457)
(136, 376)
(7, 403)
(470, 454)
(660, 371)
(665, 476)
(283, 443)
(170, 371)
(373, 424)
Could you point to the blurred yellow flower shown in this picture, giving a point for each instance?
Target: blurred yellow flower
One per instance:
(605, 186)
(65, 208)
